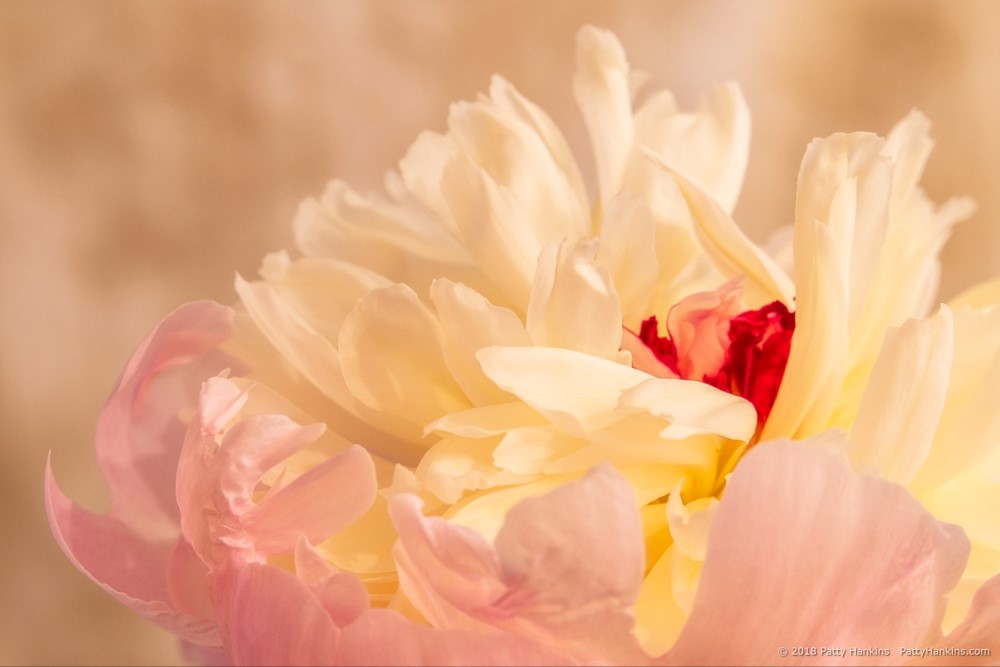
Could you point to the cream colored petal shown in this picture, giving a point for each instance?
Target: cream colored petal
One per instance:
(321, 291)
(421, 170)
(982, 295)
(895, 426)
(909, 145)
(527, 451)
(710, 145)
(505, 136)
(274, 375)
(690, 408)
(690, 522)
(732, 251)
(970, 503)
(576, 391)
(815, 370)
(311, 353)
(637, 442)
(969, 429)
(845, 182)
(494, 228)
(507, 97)
(602, 91)
(390, 350)
(573, 303)
(469, 322)
(404, 245)
(488, 420)
(658, 617)
(628, 250)
(485, 511)
(455, 465)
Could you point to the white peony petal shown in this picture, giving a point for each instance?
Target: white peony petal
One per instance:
(732, 251)
(968, 431)
(895, 426)
(576, 391)
(816, 360)
(455, 465)
(404, 245)
(691, 408)
(488, 420)
(710, 145)
(574, 303)
(628, 250)
(390, 349)
(494, 228)
(469, 322)
(602, 90)
(521, 151)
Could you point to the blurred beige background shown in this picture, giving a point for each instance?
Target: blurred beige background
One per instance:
(148, 151)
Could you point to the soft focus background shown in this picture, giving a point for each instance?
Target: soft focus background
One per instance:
(148, 151)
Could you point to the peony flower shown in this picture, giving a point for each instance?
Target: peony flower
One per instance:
(612, 431)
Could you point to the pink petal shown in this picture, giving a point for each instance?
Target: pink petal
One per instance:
(805, 552)
(566, 568)
(216, 482)
(384, 637)
(138, 433)
(699, 326)
(316, 505)
(130, 568)
(268, 617)
(979, 630)
(643, 358)
(445, 569)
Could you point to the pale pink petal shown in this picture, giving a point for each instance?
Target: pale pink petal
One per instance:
(186, 581)
(805, 552)
(138, 433)
(383, 637)
(566, 568)
(130, 568)
(268, 617)
(980, 630)
(317, 504)
(445, 569)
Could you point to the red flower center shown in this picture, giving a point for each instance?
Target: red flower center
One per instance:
(754, 362)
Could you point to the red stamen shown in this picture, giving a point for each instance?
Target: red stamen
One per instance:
(754, 365)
